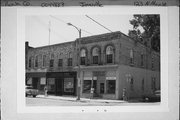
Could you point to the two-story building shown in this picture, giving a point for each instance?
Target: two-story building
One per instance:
(108, 63)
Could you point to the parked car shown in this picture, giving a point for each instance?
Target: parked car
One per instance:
(30, 91)
(154, 97)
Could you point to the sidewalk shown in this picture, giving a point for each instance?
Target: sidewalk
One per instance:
(73, 99)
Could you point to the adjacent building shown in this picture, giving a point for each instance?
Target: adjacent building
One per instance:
(108, 63)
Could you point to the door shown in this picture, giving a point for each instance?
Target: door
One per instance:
(101, 88)
(59, 86)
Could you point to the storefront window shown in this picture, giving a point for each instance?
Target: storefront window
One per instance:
(68, 85)
(111, 85)
(51, 84)
(87, 86)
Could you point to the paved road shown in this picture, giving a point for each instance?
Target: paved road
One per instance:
(30, 101)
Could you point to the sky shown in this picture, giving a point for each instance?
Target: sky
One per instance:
(37, 27)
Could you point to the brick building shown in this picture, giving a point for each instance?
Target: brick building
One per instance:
(108, 63)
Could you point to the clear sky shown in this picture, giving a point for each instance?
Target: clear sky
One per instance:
(37, 27)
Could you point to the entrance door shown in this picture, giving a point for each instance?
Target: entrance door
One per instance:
(59, 86)
(35, 82)
(101, 88)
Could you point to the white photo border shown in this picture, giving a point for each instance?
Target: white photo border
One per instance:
(115, 10)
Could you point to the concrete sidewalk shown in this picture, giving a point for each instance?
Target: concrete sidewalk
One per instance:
(72, 98)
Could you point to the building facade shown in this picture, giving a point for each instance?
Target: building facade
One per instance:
(108, 62)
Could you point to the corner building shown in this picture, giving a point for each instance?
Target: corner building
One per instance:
(108, 64)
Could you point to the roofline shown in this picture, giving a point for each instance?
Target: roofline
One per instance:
(52, 45)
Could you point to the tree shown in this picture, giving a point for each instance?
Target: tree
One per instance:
(146, 29)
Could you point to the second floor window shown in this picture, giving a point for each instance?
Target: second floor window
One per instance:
(51, 64)
(95, 55)
(60, 62)
(109, 54)
(70, 59)
(131, 56)
(30, 62)
(36, 61)
(83, 57)
(44, 61)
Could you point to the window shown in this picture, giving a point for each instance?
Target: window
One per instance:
(36, 61)
(142, 60)
(70, 59)
(68, 85)
(30, 62)
(142, 86)
(52, 60)
(83, 57)
(95, 55)
(60, 62)
(132, 84)
(44, 61)
(111, 86)
(131, 57)
(109, 54)
(87, 86)
(152, 62)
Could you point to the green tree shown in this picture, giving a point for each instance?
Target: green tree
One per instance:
(146, 29)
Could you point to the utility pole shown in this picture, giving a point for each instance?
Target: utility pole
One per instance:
(78, 61)
(49, 32)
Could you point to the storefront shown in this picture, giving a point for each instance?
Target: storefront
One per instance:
(103, 84)
(58, 83)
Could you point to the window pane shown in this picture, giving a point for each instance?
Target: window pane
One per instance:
(110, 58)
(86, 86)
(82, 60)
(44, 60)
(36, 61)
(68, 85)
(51, 63)
(30, 63)
(83, 53)
(69, 61)
(111, 85)
(109, 50)
(95, 52)
(60, 62)
(95, 59)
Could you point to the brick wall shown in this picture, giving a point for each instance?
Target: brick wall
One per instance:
(121, 44)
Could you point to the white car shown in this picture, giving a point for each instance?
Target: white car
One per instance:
(30, 91)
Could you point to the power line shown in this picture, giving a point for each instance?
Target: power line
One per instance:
(67, 22)
(98, 23)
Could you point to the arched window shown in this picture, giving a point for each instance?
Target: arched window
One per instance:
(83, 56)
(70, 59)
(109, 54)
(95, 55)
